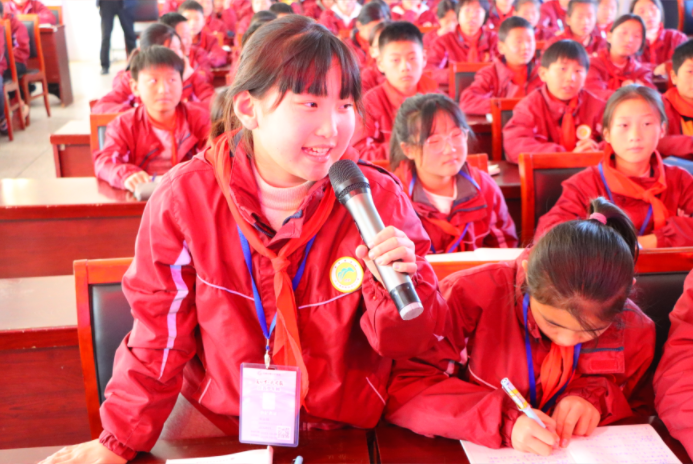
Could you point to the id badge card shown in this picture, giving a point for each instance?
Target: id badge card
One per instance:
(270, 405)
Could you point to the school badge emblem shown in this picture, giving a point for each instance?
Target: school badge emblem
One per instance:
(346, 275)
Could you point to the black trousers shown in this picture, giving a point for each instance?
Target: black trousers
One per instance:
(109, 9)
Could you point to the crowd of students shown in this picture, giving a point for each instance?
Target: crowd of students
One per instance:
(318, 81)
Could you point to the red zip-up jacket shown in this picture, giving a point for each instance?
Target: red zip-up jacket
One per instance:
(32, 7)
(587, 185)
(603, 78)
(186, 287)
(199, 60)
(496, 81)
(485, 210)
(486, 338)
(218, 25)
(663, 48)
(132, 145)
(552, 16)
(451, 47)
(596, 41)
(229, 18)
(674, 143)
(311, 8)
(196, 90)
(20, 39)
(371, 77)
(426, 17)
(673, 384)
(535, 126)
(363, 57)
(243, 9)
(334, 23)
(209, 43)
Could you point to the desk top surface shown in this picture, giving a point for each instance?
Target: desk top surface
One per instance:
(76, 127)
(509, 174)
(36, 302)
(66, 191)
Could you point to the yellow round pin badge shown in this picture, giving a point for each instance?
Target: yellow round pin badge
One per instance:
(583, 132)
(346, 274)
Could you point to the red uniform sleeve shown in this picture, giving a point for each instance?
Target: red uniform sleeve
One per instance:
(111, 163)
(44, 14)
(148, 367)
(329, 20)
(371, 143)
(476, 99)
(117, 100)
(597, 83)
(678, 230)
(673, 382)
(676, 145)
(502, 232)
(217, 56)
(571, 205)
(202, 89)
(520, 135)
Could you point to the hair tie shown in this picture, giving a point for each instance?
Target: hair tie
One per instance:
(598, 217)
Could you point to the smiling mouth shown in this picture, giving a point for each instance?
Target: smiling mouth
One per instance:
(318, 153)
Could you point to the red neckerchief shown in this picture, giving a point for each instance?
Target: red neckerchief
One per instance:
(616, 75)
(473, 43)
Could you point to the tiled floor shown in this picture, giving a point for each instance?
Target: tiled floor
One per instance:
(30, 154)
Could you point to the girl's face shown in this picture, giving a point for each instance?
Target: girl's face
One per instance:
(445, 150)
(634, 131)
(530, 12)
(561, 327)
(299, 139)
(471, 18)
(649, 13)
(626, 39)
(606, 12)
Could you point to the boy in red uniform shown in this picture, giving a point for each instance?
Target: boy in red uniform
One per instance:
(198, 57)
(581, 19)
(402, 60)
(529, 9)
(514, 74)
(561, 115)
(157, 135)
(553, 14)
(201, 37)
(31, 7)
(678, 104)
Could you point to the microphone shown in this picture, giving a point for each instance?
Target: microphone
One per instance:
(354, 192)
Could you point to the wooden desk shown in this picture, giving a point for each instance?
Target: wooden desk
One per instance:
(401, 446)
(71, 150)
(336, 446)
(47, 224)
(57, 63)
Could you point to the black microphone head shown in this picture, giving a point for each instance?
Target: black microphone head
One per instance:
(346, 177)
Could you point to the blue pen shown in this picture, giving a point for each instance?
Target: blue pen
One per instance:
(520, 401)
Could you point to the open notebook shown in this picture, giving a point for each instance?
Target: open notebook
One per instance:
(636, 444)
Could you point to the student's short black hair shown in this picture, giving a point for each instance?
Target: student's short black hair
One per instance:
(281, 8)
(191, 5)
(256, 21)
(400, 31)
(682, 53)
(567, 50)
(513, 22)
(444, 6)
(482, 3)
(632, 17)
(153, 57)
(572, 3)
(372, 11)
(172, 19)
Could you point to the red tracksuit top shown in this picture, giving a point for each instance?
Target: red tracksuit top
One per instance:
(208, 42)
(363, 57)
(552, 16)
(674, 143)
(196, 90)
(490, 224)
(587, 185)
(426, 16)
(334, 23)
(20, 39)
(187, 264)
(454, 389)
(603, 78)
(535, 126)
(495, 81)
(371, 77)
(673, 384)
(597, 41)
(451, 47)
(199, 60)
(131, 143)
(32, 7)
(221, 25)
(663, 48)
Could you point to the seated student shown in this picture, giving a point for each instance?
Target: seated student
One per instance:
(196, 89)
(581, 20)
(514, 73)
(402, 60)
(158, 134)
(227, 15)
(31, 7)
(447, 22)
(529, 10)
(660, 43)
(470, 42)
(198, 57)
(201, 37)
(678, 104)
(216, 25)
(617, 65)
(370, 16)
(244, 22)
(414, 11)
(20, 42)
(500, 11)
(546, 322)
(607, 10)
(272, 194)
(552, 14)
(657, 197)
(371, 76)
(460, 207)
(259, 18)
(561, 115)
(342, 16)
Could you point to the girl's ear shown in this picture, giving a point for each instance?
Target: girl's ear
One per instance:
(542, 72)
(664, 130)
(524, 265)
(246, 108)
(605, 135)
(133, 88)
(379, 63)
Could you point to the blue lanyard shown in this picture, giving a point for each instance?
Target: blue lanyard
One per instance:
(259, 308)
(648, 217)
(530, 365)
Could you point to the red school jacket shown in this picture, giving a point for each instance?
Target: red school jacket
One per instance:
(451, 47)
(496, 81)
(486, 342)
(662, 49)
(132, 145)
(603, 78)
(552, 16)
(587, 185)
(596, 43)
(20, 39)
(3, 61)
(356, 45)
(217, 25)
(535, 126)
(199, 60)
(334, 23)
(673, 384)
(196, 90)
(425, 15)
(674, 143)
(186, 287)
(371, 77)
(32, 7)
(482, 212)
(208, 42)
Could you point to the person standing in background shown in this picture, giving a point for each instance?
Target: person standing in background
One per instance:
(109, 9)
